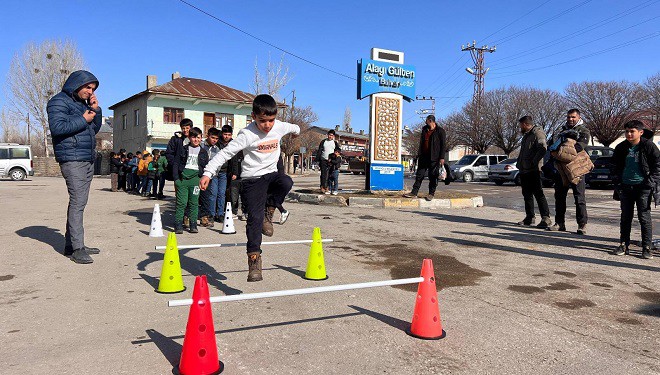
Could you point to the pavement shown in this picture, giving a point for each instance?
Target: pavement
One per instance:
(513, 299)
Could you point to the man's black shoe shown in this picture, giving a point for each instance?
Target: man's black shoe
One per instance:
(527, 221)
(646, 252)
(68, 251)
(91, 250)
(620, 250)
(178, 229)
(80, 256)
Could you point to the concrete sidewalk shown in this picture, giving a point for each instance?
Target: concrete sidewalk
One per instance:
(513, 299)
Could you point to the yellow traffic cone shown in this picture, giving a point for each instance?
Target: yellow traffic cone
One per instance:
(171, 280)
(315, 263)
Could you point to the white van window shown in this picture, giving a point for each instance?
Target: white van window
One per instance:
(4, 153)
(19, 153)
(493, 160)
(481, 161)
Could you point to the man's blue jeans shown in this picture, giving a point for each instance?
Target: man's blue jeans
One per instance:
(213, 198)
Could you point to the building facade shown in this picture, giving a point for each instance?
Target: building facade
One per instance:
(147, 120)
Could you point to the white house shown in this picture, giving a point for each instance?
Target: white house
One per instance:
(148, 119)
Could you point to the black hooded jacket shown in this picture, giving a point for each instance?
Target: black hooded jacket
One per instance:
(649, 160)
(73, 138)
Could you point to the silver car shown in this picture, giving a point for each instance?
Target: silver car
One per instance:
(474, 167)
(505, 171)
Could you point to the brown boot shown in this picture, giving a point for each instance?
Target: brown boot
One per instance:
(267, 227)
(204, 221)
(254, 267)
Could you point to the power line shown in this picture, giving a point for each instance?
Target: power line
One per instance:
(526, 30)
(266, 42)
(593, 26)
(578, 46)
(618, 46)
(514, 21)
(441, 75)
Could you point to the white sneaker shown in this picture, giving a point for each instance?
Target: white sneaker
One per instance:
(284, 216)
(327, 192)
(335, 192)
(234, 217)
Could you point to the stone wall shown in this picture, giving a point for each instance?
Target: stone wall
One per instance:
(48, 167)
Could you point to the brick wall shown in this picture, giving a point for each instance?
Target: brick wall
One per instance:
(48, 167)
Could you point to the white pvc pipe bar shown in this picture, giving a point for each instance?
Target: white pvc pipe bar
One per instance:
(242, 244)
(294, 292)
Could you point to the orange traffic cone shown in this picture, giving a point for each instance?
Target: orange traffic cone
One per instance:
(200, 352)
(426, 317)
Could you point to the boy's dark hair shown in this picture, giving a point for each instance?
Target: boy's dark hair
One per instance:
(194, 132)
(264, 104)
(213, 131)
(186, 122)
(155, 152)
(227, 129)
(526, 120)
(138, 153)
(145, 154)
(112, 154)
(129, 156)
(337, 149)
(573, 110)
(430, 117)
(122, 150)
(634, 124)
(331, 131)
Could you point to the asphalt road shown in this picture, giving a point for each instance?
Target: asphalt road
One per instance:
(601, 207)
(513, 300)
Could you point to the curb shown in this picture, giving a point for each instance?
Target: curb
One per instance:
(368, 202)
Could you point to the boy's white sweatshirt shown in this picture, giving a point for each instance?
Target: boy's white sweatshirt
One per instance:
(261, 151)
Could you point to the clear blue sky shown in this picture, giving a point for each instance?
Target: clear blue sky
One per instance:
(123, 41)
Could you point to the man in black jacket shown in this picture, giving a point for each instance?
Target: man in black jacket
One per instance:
(430, 158)
(326, 148)
(636, 179)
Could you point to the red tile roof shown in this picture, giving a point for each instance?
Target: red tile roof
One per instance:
(197, 88)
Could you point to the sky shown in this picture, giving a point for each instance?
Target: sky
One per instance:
(540, 43)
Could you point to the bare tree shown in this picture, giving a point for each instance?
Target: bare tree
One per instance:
(652, 101)
(10, 129)
(303, 117)
(276, 77)
(410, 138)
(605, 106)
(471, 129)
(36, 74)
(548, 109)
(501, 110)
(347, 119)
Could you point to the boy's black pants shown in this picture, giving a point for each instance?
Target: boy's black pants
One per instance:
(630, 196)
(257, 193)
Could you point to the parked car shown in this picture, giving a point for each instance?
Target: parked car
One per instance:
(602, 173)
(504, 171)
(596, 152)
(474, 167)
(15, 161)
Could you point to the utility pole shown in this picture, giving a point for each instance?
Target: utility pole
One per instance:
(28, 126)
(422, 112)
(478, 70)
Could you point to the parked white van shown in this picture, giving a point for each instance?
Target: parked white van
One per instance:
(15, 161)
(474, 167)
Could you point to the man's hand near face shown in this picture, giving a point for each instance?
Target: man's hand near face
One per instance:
(94, 102)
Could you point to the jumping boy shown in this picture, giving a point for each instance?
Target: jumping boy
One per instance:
(187, 167)
(262, 187)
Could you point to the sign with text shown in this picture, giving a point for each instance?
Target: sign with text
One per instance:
(379, 76)
(385, 176)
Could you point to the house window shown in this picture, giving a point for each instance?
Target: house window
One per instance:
(123, 122)
(222, 119)
(172, 115)
(136, 117)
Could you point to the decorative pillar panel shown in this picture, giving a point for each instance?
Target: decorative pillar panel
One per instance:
(386, 120)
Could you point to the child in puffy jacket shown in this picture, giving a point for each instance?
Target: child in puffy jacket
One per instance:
(142, 171)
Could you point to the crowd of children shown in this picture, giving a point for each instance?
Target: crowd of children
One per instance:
(141, 173)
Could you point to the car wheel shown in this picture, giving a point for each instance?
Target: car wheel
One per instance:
(17, 174)
(499, 183)
(468, 177)
(517, 180)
